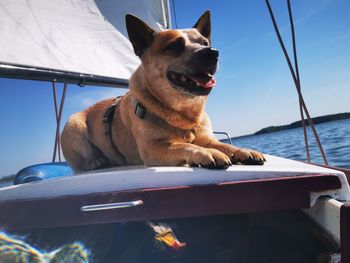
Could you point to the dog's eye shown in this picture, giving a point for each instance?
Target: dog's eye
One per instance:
(205, 43)
(176, 46)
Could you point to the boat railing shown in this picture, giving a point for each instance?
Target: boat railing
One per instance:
(224, 133)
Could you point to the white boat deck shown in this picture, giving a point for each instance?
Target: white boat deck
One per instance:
(140, 177)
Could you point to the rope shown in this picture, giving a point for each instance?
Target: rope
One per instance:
(174, 11)
(296, 81)
(58, 113)
(298, 78)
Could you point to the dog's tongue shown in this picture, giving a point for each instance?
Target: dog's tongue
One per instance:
(211, 83)
(206, 84)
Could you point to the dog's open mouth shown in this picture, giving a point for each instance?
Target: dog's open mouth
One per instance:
(197, 84)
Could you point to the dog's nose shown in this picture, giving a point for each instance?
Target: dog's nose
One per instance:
(210, 54)
(215, 53)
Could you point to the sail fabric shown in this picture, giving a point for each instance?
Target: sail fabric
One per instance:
(81, 36)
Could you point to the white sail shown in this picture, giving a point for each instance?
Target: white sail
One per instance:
(81, 36)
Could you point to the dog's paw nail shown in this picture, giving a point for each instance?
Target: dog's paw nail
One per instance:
(227, 164)
(211, 165)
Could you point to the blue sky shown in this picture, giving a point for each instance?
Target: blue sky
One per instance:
(254, 87)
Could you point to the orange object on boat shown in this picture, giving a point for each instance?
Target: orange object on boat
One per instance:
(166, 235)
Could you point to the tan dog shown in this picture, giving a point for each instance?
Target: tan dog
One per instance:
(161, 120)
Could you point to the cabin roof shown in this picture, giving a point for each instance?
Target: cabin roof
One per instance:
(137, 193)
(128, 178)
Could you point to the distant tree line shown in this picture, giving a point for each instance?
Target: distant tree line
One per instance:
(297, 124)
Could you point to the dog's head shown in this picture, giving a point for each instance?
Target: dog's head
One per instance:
(178, 60)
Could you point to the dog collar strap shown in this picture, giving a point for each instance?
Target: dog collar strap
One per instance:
(141, 112)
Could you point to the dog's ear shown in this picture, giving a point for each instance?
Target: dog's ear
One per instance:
(140, 34)
(203, 25)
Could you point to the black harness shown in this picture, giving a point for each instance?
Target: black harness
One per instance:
(108, 118)
(142, 113)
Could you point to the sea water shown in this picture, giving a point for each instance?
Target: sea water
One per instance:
(334, 136)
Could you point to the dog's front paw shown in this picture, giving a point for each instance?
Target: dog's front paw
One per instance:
(96, 164)
(209, 158)
(247, 156)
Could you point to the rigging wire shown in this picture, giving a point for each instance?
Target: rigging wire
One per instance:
(174, 12)
(296, 80)
(58, 112)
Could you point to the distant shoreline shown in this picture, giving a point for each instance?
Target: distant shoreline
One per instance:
(298, 124)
